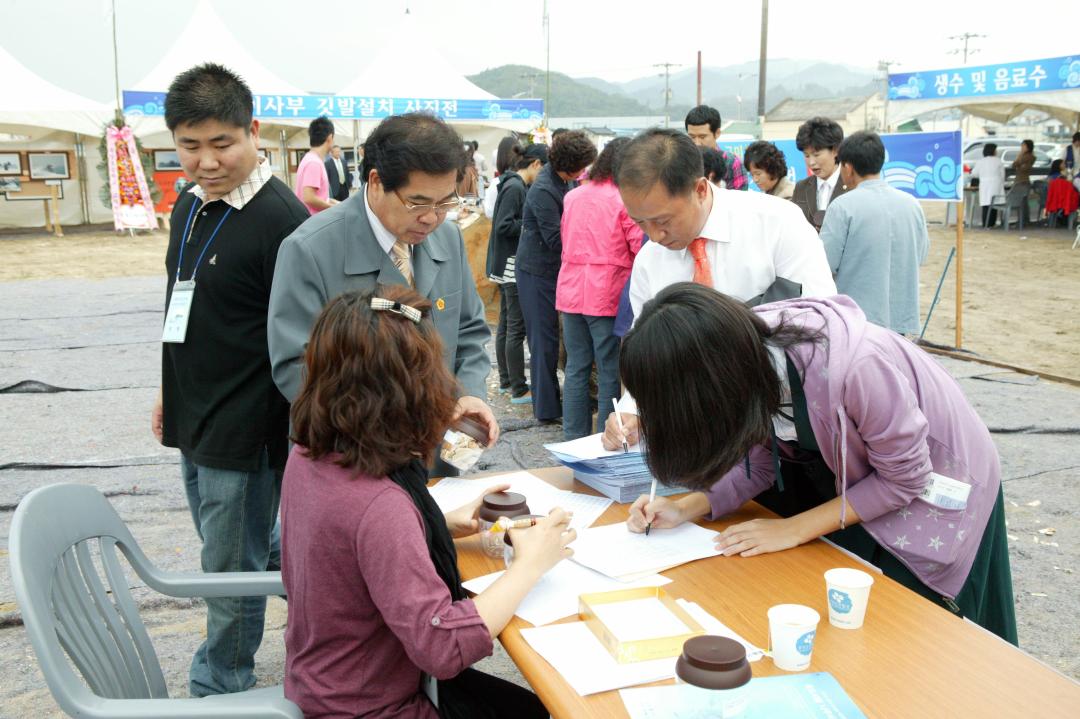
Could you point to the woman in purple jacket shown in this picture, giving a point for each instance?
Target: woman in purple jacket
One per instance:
(844, 429)
(379, 625)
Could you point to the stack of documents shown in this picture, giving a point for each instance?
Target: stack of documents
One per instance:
(623, 476)
(616, 552)
(453, 492)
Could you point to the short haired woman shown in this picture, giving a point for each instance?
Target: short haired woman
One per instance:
(768, 169)
(843, 428)
(368, 559)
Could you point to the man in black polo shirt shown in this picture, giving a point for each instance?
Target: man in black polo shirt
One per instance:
(218, 403)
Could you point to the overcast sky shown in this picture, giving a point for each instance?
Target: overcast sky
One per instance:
(323, 44)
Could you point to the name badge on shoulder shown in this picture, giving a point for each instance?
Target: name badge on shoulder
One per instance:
(945, 492)
(176, 317)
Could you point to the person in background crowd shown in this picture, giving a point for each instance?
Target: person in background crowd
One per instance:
(742, 243)
(468, 187)
(990, 172)
(375, 598)
(1021, 187)
(482, 167)
(539, 257)
(312, 180)
(818, 139)
(715, 167)
(702, 124)
(846, 430)
(218, 404)
(599, 243)
(504, 155)
(337, 170)
(395, 235)
(523, 167)
(875, 238)
(768, 169)
(1057, 168)
(1072, 157)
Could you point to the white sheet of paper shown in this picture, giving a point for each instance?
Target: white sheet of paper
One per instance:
(575, 652)
(555, 596)
(672, 701)
(636, 619)
(591, 447)
(617, 552)
(453, 492)
(714, 626)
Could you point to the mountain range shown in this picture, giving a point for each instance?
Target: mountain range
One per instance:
(722, 88)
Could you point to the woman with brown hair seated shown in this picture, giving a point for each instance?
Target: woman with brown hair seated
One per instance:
(379, 625)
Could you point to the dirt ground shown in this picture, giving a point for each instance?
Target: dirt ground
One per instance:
(1020, 289)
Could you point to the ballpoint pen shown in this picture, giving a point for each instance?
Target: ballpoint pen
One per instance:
(652, 496)
(618, 421)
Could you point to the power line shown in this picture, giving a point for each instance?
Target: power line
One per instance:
(965, 51)
(667, 88)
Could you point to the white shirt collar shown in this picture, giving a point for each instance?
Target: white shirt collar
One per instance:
(242, 193)
(832, 179)
(386, 240)
(715, 224)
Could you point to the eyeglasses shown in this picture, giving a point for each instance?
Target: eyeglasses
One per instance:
(439, 208)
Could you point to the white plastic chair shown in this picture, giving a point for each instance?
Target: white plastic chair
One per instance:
(78, 610)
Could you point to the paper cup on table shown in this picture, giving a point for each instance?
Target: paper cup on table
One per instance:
(848, 592)
(791, 635)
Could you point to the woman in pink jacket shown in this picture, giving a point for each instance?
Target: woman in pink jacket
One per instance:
(599, 242)
(843, 428)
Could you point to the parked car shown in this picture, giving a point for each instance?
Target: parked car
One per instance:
(1007, 149)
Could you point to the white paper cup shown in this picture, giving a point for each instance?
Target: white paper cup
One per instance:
(791, 635)
(848, 592)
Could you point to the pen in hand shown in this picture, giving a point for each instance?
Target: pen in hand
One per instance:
(622, 430)
(652, 496)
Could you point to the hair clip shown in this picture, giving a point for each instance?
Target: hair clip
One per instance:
(411, 313)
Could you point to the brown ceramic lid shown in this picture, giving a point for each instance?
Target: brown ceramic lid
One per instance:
(713, 662)
(526, 516)
(503, 504)
(474, 429)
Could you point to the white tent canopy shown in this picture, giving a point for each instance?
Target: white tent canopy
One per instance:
(1061, 104)
(34, 107)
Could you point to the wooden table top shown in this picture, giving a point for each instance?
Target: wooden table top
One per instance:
(911, 658)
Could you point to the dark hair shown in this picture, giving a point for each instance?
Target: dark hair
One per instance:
(1030, 144)
(474, 145)
(713, 165)
(989, 149)
(1055, 166)
(376, 388)
(695, 353)
(660, 155)
(525, 155)
(319, 129)
(703, 115)
(864, 151)
(819, 133)
(572, 152)
(556, 132)
(1076, 137)
(766, 157)
(208, 92)
(414, 142)
(606, 162)
(505, 154)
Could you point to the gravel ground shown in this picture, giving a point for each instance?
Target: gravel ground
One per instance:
(97, 340)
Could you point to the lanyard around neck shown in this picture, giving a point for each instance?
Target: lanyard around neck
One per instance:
(185, 237)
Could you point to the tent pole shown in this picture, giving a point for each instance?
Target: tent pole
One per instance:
(84, 191)
(960, 273)
(285, 159)
(356, 149)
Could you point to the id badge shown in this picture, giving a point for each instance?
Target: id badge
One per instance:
(430, 686)
(176, 318)
(945, 492)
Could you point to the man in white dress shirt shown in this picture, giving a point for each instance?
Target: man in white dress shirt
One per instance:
(739, 243)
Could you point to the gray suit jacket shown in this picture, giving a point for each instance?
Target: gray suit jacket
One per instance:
(335, 251)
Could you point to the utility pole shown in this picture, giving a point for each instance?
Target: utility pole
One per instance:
(532, 78)
(965, 51)
(761, 63)
(116, 70)
(667, 89)
(547, 69)
(699, 77)
(883, 66)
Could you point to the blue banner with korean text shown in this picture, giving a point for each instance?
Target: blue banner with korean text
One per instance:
(926, 165)
(351, 107)
(1055, 73)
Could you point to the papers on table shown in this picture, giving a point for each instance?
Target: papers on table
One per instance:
(639, 619)
(621, 554)
(453, 492)
(555, 596)
(623, 476)
(575, 652)
(796, 696)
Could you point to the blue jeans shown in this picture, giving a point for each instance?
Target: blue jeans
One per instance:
(536, 295)
(588, 338)
(235, 515)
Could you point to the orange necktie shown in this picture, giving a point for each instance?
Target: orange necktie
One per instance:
(702, 270)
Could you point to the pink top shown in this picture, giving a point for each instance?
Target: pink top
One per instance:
(599, 242)
(312, 173)
(367, 611)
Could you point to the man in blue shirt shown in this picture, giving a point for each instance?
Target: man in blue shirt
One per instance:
(875, 238)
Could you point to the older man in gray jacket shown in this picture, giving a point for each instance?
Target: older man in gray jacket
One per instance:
(392, 232)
